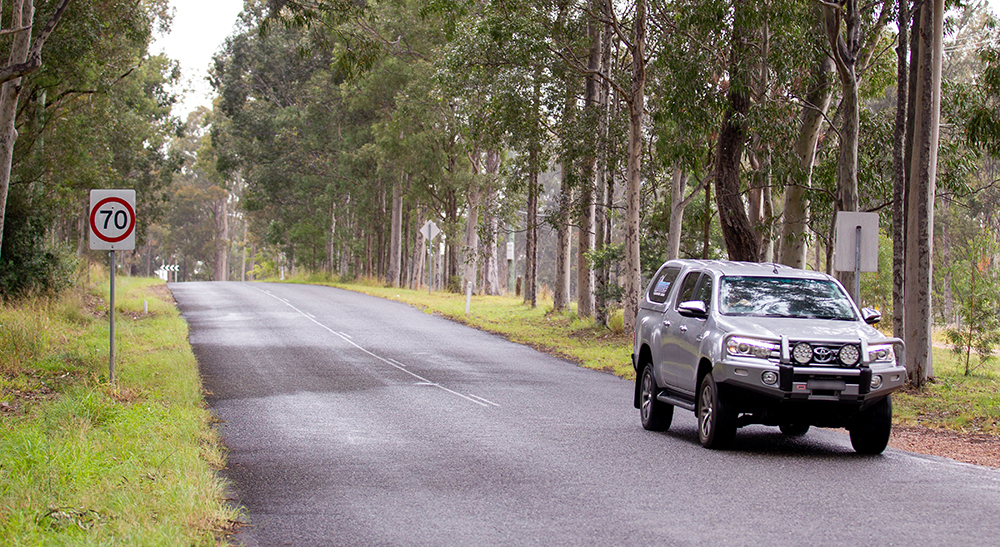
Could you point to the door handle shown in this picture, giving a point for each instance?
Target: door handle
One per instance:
(666, 323)
(683, 328)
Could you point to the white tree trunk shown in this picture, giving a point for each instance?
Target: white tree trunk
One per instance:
(396, 237)
(923, 174)
(633, 274)
(23, 13)
(560, 293)
(222, 240)
(470, 246)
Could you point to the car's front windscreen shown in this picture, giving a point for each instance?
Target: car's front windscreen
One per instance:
(783, 297)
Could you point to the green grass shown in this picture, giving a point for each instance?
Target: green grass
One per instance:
(952, 401)
(85, 462)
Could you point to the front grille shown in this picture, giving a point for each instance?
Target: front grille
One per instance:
(825, 354)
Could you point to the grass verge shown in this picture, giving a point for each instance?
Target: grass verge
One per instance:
(953, 401)
(84, 462)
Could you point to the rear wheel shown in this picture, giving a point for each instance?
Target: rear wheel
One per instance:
(871, 429)
(716, 419)
(656, 415)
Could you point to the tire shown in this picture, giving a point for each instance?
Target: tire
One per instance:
(794, 430)
(655, 415)
(871, 429)
(716, 419)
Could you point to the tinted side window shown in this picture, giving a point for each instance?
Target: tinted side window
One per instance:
(705, 291)
(661, 288)
(688, 286)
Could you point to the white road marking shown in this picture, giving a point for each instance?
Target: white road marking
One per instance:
(421, 380)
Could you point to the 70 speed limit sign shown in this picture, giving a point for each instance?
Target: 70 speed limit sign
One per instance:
(112, 220)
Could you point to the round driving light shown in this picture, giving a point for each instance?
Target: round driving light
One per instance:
(802, 353)
(769, 377)
(876, 381)
(849, 355)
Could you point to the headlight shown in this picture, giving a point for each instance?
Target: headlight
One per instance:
(802, 353)
(751, 347)
(881, 353)
(850, 355)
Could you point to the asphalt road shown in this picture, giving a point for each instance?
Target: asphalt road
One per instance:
(352, 420)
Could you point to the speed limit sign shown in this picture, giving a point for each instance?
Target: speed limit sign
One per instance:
(112, 220)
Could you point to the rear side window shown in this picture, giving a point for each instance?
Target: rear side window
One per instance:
(688, 286)
(659, 290)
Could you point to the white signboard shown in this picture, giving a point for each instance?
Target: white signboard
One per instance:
(430, 230)
(112, 220)
(847, 241)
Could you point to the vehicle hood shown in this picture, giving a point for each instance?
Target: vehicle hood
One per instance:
(799, 329)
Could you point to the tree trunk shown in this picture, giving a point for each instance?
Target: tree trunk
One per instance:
(899, 172)
(560, 293)
(586, 240)
(740, 237)
(602, 220)
(678, 204)
(794, 228)
(393, 272)
(22, 14)
(222, 240)
(531, 236)
(491, 271)
(845, 51)
(632, 273)
(922, 180)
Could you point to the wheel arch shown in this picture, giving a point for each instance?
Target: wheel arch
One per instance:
(645, 358)
(704, 368)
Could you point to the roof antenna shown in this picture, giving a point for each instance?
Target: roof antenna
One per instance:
(775, 264)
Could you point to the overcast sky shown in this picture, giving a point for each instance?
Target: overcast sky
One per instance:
(197, 33)
(199, 28)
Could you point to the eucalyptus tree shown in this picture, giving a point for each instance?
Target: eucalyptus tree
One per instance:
(854, 30)
(924, 109)
(25, 57)
(99, 108)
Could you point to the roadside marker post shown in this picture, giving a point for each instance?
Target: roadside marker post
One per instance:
(112, 228)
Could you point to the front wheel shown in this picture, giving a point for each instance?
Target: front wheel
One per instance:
(655, 415)
(716, 420)
(871, 429)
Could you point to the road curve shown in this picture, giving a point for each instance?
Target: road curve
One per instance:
(352, 420)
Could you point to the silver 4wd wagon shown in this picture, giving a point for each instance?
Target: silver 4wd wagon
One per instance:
(743, 343)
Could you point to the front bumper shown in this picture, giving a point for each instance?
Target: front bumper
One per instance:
(811, 383)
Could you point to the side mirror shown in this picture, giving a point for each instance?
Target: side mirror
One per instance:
(871, 315)
(693, 308)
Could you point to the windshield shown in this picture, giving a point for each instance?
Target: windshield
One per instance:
(784, 297)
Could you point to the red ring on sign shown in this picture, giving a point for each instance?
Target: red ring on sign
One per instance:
(131, 224)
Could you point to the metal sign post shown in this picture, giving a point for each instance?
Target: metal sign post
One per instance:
(112, 227)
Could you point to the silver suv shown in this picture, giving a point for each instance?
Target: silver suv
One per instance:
(744, 343)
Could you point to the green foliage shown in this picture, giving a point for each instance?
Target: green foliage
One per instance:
(29, 262)
(976, 290)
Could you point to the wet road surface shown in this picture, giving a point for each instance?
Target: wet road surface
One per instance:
(352, 420)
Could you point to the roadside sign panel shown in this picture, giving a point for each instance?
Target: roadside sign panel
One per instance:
(847, 241)
(112, 220)
(430, 230)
